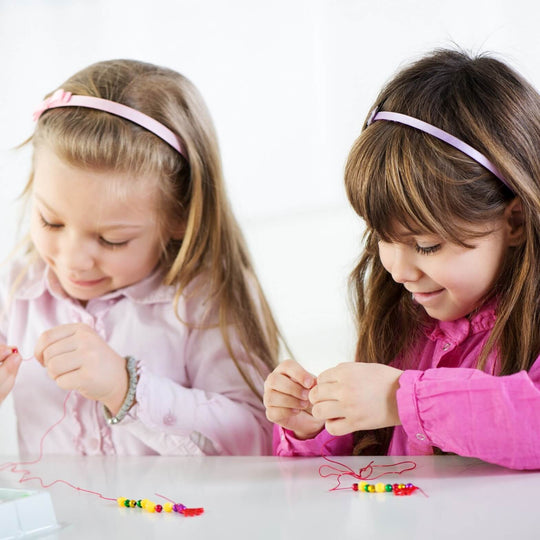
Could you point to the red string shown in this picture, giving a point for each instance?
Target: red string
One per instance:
(364, 473)
(339, 469)
(25, 473)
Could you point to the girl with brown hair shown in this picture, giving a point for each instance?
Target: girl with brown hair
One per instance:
(446, 176)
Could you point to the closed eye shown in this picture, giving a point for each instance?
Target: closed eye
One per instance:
(47, 225)
(112, 245)
(427, 250)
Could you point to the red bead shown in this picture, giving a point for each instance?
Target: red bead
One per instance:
(158, 508)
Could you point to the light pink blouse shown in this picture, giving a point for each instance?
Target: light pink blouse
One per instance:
(190, 398)
(449, 404)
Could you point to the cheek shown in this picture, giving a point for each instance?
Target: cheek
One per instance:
(385, 255)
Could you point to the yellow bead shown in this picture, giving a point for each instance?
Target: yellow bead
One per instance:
(150, 507)
(361, 486)
(133, 503)
(401, 486)
(379, 488)
(121, 501)
(168, 507)
(371, 488)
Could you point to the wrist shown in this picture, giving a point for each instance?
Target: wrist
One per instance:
(129, 395)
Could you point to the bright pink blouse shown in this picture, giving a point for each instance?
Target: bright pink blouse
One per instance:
(190, 398)
(446, 402)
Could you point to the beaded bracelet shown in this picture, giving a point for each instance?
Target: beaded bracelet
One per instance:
(133, 378)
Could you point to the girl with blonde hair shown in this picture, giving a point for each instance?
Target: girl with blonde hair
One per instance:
(136, 305)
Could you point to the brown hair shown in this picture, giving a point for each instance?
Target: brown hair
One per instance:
(191, 191)
(396, 174)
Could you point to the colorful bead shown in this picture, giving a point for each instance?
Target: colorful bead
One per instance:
(380, 487)
(152, 507)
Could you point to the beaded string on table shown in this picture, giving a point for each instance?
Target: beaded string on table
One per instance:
(369, 472)
(123, 502)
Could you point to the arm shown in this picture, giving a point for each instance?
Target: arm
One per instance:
(323, 444)
(471, 413)
(216, 414)
(190, 401)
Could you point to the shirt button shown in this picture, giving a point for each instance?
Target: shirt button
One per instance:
(446, 346)
(169, 419)
(420, 436)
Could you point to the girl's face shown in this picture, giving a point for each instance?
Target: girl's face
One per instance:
(448, 280)
(95, 239)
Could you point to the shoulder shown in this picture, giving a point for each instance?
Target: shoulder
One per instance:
(22, 277)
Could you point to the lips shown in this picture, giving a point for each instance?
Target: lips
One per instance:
(86, 283)
(426, 297)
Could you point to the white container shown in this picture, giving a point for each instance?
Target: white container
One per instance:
(24, 512)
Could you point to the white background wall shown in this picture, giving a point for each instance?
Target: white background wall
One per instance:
(289, 83)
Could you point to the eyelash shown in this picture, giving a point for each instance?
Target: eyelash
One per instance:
(427, 250)
(55, 226)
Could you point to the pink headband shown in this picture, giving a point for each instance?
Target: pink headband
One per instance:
(65, 99)
(439, 134)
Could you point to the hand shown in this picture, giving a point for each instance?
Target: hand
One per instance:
(356, 396)
(286, 392)
(9, 367)
(77, 358)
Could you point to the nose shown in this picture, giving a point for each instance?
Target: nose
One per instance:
(76, 254)
(400, 262)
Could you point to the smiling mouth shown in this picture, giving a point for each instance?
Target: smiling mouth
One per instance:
(87, 283)
(422, 297)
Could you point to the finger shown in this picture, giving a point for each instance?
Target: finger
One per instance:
(59, 350)
(326, 410)
(279, 399)
(53, 335)
(278, 414)
(61, 364)
(282, 383)
(10, 365)
(329, 375)
(297, 373)
(6, 350)
(69, 381)
(8, 372)
(324, 392)
(338, 426)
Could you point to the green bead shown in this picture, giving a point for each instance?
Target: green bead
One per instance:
(388, 487)
(366, 488)
(126, 503)
(139, 503)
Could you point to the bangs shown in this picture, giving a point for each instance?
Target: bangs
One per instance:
(400, 178)
(100, 141)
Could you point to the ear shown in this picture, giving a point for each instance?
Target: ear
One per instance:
(515, 222)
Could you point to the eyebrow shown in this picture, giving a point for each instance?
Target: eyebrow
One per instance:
(110, 227)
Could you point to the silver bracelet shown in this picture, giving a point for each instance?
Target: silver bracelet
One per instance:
(133, 378)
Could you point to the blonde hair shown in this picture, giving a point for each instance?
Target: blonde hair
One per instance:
(396, 174)
(191, 192)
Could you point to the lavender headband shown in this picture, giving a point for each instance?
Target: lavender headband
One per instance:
(439, 134)
(62, 98)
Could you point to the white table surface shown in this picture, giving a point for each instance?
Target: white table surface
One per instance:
(285, 498)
